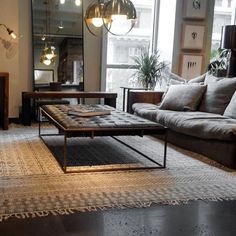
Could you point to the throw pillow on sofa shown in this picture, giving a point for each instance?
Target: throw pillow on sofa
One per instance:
(200, 79)
(176, 79)
(183, 97)
(218, 94)
(230, 110)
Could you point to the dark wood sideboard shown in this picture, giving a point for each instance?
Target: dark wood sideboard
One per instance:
(4, 99)
(109, 99)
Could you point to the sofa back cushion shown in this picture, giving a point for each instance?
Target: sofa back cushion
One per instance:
(218, 94)
(183, 97)
(230, 110)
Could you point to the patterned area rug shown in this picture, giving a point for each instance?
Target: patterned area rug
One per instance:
(33, 184)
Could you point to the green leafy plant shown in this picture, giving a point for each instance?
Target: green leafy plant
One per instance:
(149, 68)
(219, 62)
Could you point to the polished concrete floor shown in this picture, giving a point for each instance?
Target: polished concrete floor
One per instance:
(195, 218)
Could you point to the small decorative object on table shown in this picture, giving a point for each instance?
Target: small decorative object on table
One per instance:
(88, 110)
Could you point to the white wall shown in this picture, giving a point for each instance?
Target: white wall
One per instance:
(92, 58)
(16, 15)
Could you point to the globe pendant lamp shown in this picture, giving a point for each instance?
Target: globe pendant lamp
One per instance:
(122, 15)
(94, 18)
(117, 16)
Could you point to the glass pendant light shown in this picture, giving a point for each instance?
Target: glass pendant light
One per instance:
(122, 14)
(94, 17)
(117, 16)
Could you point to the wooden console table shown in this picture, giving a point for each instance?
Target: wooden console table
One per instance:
(143, 97)
(109, 99)
(4, 99)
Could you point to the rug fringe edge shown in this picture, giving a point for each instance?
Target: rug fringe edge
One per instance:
(68, 211)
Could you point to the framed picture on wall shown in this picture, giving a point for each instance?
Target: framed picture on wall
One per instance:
(191, 65)
(43, 76)
(193, 37)
(195, 9)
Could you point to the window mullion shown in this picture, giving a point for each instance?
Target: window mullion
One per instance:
(154, 41)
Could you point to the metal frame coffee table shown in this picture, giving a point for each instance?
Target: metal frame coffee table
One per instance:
(118, 123)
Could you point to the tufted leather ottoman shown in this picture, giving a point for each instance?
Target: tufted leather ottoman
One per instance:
(117, 123)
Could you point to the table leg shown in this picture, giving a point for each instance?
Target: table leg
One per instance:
(26, 111)
(165, 151)
(110, 102)
(124, 93)
(65, 153)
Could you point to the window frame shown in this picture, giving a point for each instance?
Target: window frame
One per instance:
(153, 47)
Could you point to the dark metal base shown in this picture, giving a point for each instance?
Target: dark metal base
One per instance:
(65, 153)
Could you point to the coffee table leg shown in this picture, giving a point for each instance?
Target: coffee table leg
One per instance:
(65, 153)
(39, 127)
(165, 150)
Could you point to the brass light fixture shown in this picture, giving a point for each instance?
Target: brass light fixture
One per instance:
(45, 60)
(48, 53)
(94, 17)
(114, 15)
(10, 32)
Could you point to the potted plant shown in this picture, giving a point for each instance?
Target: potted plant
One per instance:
(148, 69)
(219, 62)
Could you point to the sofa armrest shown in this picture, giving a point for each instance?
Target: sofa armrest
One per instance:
(137, 96)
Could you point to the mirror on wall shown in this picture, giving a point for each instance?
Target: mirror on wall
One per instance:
(57, 42)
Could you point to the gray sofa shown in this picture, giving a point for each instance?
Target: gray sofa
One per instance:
(200, 115)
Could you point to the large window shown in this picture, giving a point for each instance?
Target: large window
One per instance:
(224, 14)
(118, 51)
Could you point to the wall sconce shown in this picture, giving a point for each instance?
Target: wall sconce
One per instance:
(228, 41)
(114, 15)
(10, 47)
(10, 32)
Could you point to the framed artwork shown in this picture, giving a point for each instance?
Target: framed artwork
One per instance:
(42, 76)
(195, 9)
(193, 37)
(190, 65)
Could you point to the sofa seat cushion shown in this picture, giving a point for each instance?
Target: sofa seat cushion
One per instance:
(145, 110)
(199, 124)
